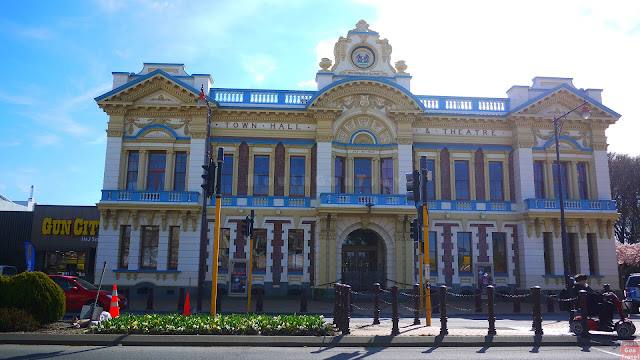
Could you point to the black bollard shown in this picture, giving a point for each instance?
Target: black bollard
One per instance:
(443, 310)
(537, 312)
(336, 304)
(395, 330)
(491, 310)
(516, 301)
(260, 301)
(180, 300)
(150, 299)
(550, 308)
(303, 300)
(478, 299)
(416, 304)
(346, 301)
(376, 304)
(584, 313)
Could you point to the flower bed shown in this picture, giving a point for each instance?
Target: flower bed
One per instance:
(235, 324)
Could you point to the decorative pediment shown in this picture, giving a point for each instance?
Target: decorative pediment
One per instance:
(133, 126)
(156, 89)
(560, 102)
(363, 129)
(367, 96)
(156, 133)
(160, 97)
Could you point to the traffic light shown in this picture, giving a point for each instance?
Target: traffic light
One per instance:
(416, 229)
(247, 226)
(209, 178)
(413, 186)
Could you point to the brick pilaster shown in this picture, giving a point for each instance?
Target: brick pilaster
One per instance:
(277, 244)
(447, 250)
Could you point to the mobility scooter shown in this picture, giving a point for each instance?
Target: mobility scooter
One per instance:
(624, 327)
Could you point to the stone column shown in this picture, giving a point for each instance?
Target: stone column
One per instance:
(349, 175)
(375, 176)
(548, 171)
(142, 170)
(573, 189)
(169, 171)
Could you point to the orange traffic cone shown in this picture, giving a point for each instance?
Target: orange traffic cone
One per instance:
(187, 307)
(114, 310)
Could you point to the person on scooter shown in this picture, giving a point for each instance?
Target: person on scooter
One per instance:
(596, 303)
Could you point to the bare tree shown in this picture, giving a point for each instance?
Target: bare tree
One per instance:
(624, 172)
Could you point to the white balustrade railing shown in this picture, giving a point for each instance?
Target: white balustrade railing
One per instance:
(229, 96)
(264, 97)
(297, 98)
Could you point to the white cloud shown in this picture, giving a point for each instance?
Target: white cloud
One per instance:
(17, 99)
(99, 140)
(258, 65)
(47, 139)
(3, 187)
(307, 84)
(8, 144)
(28, 170)
(324, 49)
(37, 33)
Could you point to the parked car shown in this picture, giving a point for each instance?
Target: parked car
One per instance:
(8, 270)
(80, 292)
(632, 293)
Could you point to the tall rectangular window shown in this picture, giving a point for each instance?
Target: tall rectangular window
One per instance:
(339, 174)
(464, 253)
(496, 192)
(260, 257)
(132, 170)
(261, 175)
(431, 185)
(583, 191)
(362, 175)
(296, 249)
(149, 247)
(538, 179)
(592, 249)
(547, 239)
(386, 176)
(157, 164)
(125, 240)
(499, 243)
(226, 186)
(174, 247)
(223, 253)
(563, 171)
(180, 177)
(296, 176)
(462, 179)
(433, 253)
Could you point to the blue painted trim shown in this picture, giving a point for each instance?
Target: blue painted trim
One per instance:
(365, 77)
(552, 141)
(553, 276)
(375, 139)
(571, 204)
(148, 76)
(501, 275)
(147, 271)
(365, 145)
(265, 201)
(295, 272)
(119, 72)
(166, 64)
(363, 32)
(150, 196)
(463, 147)
(573, 90)
(268, 142)
(357, 78)
(173, 133)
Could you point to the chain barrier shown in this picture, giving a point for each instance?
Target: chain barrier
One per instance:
(364, 292)
(361, 308)
(513, 296)
(408, 308)
(385, 291)
(462, 295)
(386, 302)
(555, 297)
(398, 282)
(329, 283)
(408, 295)
(460, 309)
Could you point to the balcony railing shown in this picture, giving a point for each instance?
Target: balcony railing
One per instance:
(464, 104)
(570, 204)
(401, 200)
(150, 196)
(264, 97)
(264, 201)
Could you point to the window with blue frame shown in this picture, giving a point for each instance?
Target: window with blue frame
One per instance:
(362, 176)
(339, 173)
(431, 186)
(464, 253)
(261, 175)
(496, 192)
(226, 185)
(538, 179)
(433, 253)
(386, 174)
(132, 170)
(563, 171)
(155, 175)
(296, 176)
(296, 249)
(462, 179)
(180, 174)
(583, 192)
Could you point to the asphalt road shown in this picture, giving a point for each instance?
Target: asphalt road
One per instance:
(22, 352)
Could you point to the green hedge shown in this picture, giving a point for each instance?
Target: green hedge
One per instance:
(36, 293)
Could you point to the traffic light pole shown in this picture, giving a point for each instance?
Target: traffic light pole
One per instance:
(202, 266)
(425, 238)
(216, 234)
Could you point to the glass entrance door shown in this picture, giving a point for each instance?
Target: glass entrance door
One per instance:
(362, 262)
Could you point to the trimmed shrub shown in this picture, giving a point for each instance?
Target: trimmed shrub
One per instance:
(36, 293)
(12, 319)
(4, 284)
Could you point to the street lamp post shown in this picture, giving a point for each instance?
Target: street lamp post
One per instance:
(558, 122)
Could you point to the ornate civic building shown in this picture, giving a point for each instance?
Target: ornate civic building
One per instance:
(324, 172)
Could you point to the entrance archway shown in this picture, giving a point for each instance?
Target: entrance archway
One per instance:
(363, 259)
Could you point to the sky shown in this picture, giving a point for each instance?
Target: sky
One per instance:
(57, 56)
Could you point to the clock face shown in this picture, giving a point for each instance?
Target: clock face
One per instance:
(363, 57)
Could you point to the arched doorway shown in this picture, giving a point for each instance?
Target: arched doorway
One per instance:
(363, 261)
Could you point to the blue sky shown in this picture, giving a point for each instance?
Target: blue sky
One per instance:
(58, 56)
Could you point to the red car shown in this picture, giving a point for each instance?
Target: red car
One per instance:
(81, 292)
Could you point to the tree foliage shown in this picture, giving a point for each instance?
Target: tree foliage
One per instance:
(624, 173)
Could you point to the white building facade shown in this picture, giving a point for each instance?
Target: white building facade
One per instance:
(325, 173)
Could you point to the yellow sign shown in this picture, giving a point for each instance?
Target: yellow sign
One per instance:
(79, 227)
